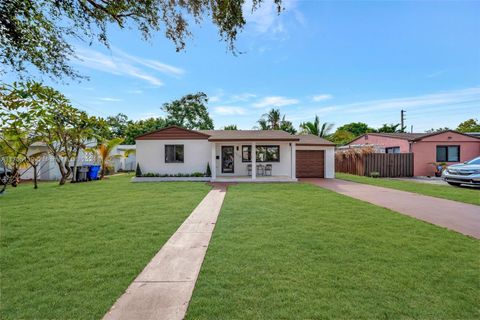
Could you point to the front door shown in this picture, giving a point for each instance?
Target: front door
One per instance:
(228, 159)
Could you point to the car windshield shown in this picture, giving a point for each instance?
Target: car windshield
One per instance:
(474, 161)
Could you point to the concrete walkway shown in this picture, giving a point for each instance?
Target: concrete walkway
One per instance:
(164, 288)
(457, 216)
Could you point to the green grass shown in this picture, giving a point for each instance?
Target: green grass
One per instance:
(69, 252)
(296, 251)
(467, 195)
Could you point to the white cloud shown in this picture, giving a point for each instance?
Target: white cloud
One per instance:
(242, 97)
(275, 101)
(267, 19)
(214, 99)
(153, 64)
(424, 111)
(440, 101)
(123, 64)
(109, 99)
(229, 110)
(147, 115)
(231, 98)
(436, 74)
(322, 97)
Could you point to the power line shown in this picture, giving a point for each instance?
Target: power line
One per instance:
(90, 108)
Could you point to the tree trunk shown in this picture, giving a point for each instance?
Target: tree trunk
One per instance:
(35, 173)
(4, 182)
(68, 170)
(61, 168)
(102, 173)
(74, 175)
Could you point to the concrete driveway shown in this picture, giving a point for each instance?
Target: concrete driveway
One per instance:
(457, 216)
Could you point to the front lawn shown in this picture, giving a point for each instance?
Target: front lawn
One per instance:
(69, 252)
(296, 251)
(467, 195)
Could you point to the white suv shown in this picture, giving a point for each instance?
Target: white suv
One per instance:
(463, 173)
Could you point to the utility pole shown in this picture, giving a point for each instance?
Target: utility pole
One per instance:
(402, 120)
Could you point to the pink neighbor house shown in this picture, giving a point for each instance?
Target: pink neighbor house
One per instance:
(446, 146)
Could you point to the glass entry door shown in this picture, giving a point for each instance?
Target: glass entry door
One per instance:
(228, 159)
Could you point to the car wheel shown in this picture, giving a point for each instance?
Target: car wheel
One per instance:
(456, 184)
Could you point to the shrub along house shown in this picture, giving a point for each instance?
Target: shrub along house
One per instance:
(234, 155)
(446, 146)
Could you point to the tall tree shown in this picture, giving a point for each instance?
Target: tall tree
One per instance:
(13, 156)
(341, 137)
(84, 130)
(287, 126)
(390, 128)
(118, 125)
(262, 124)
(52, 116)
(17, 143)
(470, 125)
(434, 130)
(41, 32)
(356, 128)
(20, 129)
(136, 128)
(230, 127)
(315, 128)
(273, 120)
(189, 112)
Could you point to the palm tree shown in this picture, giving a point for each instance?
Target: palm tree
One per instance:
(287, 126)
(104, 150)
(316, 129)
(262, 124)
(273, 120)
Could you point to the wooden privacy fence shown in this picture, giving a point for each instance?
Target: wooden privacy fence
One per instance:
(386, 164)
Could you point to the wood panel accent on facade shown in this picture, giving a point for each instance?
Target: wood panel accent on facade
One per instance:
(310, 163)
(173, 133)
(389, 165)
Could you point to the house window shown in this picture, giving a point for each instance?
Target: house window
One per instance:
(174, 153)
(246, 153)
(264, 153)
(448, 153)
(392, 150)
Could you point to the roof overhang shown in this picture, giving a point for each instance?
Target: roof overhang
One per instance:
(173, 133)
(253, 139)
(316, 144)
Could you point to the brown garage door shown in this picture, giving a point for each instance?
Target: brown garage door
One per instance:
(310, 163)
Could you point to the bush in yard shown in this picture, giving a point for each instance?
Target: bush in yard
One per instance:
(209, 172)
(375, 174)
(138, 172)
(198, 174)
(176, 175)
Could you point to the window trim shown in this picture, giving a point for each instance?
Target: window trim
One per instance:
(257, 146)
(390, 148)
(174, 153)
(250, 153)
(446, 152)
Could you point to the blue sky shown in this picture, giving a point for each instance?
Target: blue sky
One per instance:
(345, 61)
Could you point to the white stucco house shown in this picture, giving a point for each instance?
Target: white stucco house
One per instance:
(234, 155)
(119, 161)
(48, 167)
